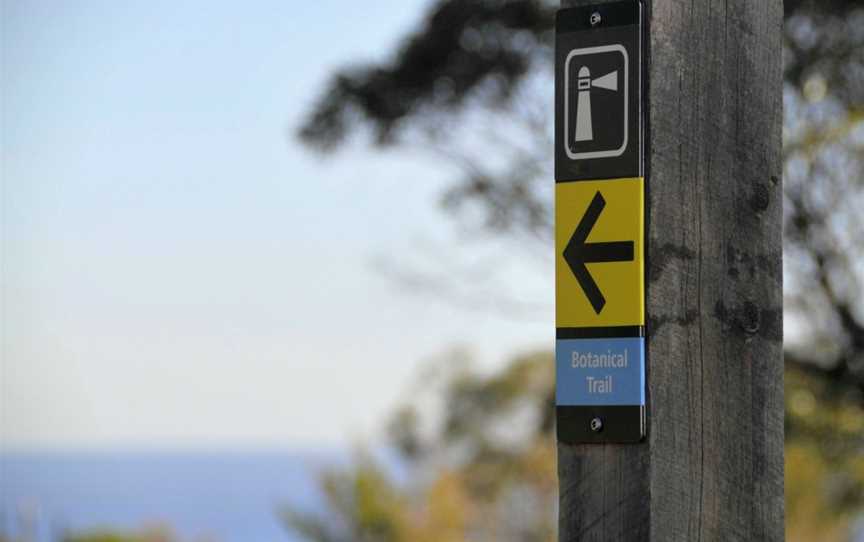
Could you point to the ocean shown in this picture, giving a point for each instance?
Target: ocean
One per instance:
(227, 497)
(213, 497)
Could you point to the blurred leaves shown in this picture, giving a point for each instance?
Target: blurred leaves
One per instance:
(824, 45)
(507, 191)
(156, 534)
(824, 457)
(366, 506)
(491, 474)
(461, 48)
(823, 149)
(483, 469)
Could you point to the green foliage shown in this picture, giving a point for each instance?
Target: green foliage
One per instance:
(824, 456)
(104, 538)
(460, 48)
(483, 468)
(148, 535)
(486, 471)
(366, 507)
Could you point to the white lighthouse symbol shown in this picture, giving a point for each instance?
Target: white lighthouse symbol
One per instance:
(585, 140)
(584, 125)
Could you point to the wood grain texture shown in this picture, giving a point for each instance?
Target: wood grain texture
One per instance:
(715, 270)
(712, 465)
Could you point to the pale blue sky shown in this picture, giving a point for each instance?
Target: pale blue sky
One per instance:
(177, 271)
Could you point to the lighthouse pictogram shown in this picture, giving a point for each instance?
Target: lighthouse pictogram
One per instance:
(584, 127)
(596, 100)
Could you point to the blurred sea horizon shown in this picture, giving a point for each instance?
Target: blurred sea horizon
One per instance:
(223, 496)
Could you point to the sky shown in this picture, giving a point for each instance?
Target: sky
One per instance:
(177, 271)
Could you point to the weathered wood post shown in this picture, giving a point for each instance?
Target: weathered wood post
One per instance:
(710, 466)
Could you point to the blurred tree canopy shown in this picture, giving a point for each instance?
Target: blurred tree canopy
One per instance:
(151, 534)
(477, 75)
(481, 462)
(155, 535)
(483, 469)
(479, 67)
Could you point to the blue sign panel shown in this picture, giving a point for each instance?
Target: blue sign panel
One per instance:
(600, 372)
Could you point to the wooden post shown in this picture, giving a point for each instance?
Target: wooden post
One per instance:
(711, 467)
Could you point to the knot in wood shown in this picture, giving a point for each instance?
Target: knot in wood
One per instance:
(750, 319)
(761, 198)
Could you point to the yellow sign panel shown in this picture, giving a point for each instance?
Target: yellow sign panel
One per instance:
(599, 253)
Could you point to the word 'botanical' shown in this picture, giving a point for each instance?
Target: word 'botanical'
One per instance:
(591, 360)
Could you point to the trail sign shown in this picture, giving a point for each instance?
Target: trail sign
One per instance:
(599, 253)
(600, 381)
(601, 371)
(599, 225)
(598, 92)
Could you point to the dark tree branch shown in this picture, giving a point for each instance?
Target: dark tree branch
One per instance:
(461, 45)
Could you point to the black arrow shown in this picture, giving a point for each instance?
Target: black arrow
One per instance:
(577, 253)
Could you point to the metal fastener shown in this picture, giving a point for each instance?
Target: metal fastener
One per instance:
(596, 425)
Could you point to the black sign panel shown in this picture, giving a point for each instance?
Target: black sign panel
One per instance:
(598, 92)
(600, 351)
